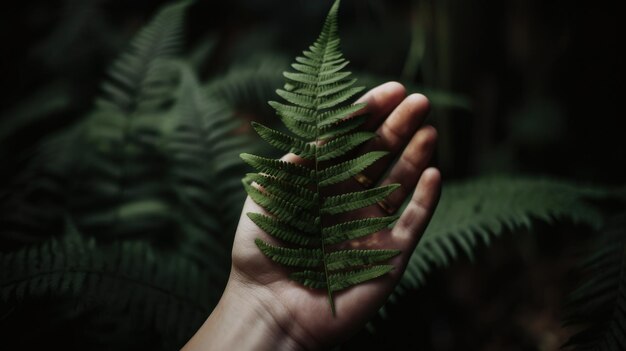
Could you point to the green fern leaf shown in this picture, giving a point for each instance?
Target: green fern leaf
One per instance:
(291, 193)
(99, 168)
(137, 80)
(334, 116)
(249, 84)
(281, 170)
(342, 280)
(474, 211)
(295, 113)
(284, 142)
(201, 147)
(339, 146)
(342, 127)
(282, 231)
(352, 201)
(299, 196)
(344, 259)
(355, 229)
(166, 295)
(346, 170)
(300, 257)
(117, 173)
(283, 210)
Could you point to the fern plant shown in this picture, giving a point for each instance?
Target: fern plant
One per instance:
(203, 148)
(474, 211)
(247, 85)
(163, 294)
(141, 176)
(139, 179)
(293, 193)
(122, 135)
(105, 170)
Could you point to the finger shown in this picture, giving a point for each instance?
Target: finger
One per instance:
(399, 127)
(406, 171)
(293, 158)
(404, 237)
(380, 101)
(394, 134)
(412, 223)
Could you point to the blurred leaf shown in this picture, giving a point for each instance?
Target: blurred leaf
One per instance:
(165, 295)
(479, 209)
(202, 52)
(248, 85)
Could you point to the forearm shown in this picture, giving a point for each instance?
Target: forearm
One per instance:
(240, 322)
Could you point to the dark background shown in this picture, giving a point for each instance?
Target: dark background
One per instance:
(518, 87)
(543, 78)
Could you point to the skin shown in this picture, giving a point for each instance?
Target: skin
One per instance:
(261, 309)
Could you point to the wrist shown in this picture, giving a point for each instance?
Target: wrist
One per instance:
(243, 320)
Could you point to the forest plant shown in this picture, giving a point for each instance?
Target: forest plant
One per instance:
(136, 200)
(129, 285)
(294, 193)
(474, 211)
(177, 147)
(122, 136)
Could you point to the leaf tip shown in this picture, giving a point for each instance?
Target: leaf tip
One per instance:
(245, 156)
(260, 244)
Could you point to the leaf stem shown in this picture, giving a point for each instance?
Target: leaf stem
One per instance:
(317, 179)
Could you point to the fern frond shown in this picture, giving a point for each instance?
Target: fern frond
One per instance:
(31, 204)
(147, 172)
(299, 196)
(282, 231)
(345, 170)
(137, 79)
(167, 295)
(474, 211)
(352, 201)
(282, 170)
(120, 166)
(291, 192)
(285, 142)
(341, 145)
(248, 85)
(339, 281)
(342, 127)
(355, 229)
(600, 302)
(283, 210)
(201, 149)
(338, 115)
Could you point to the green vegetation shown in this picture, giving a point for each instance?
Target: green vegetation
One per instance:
(116, 223)
(293, 193)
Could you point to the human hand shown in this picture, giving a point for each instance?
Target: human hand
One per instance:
(262, 309)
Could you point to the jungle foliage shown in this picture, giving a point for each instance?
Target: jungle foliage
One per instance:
(116, 225)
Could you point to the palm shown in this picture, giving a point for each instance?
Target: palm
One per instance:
(398, 122)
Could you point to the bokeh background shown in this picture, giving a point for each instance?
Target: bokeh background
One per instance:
(522, 87)
(541, 80)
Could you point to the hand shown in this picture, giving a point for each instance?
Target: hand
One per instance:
(262, 309)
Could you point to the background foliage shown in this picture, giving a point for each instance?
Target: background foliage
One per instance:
(120, 191)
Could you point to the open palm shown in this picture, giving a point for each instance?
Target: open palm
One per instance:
(303, 315)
